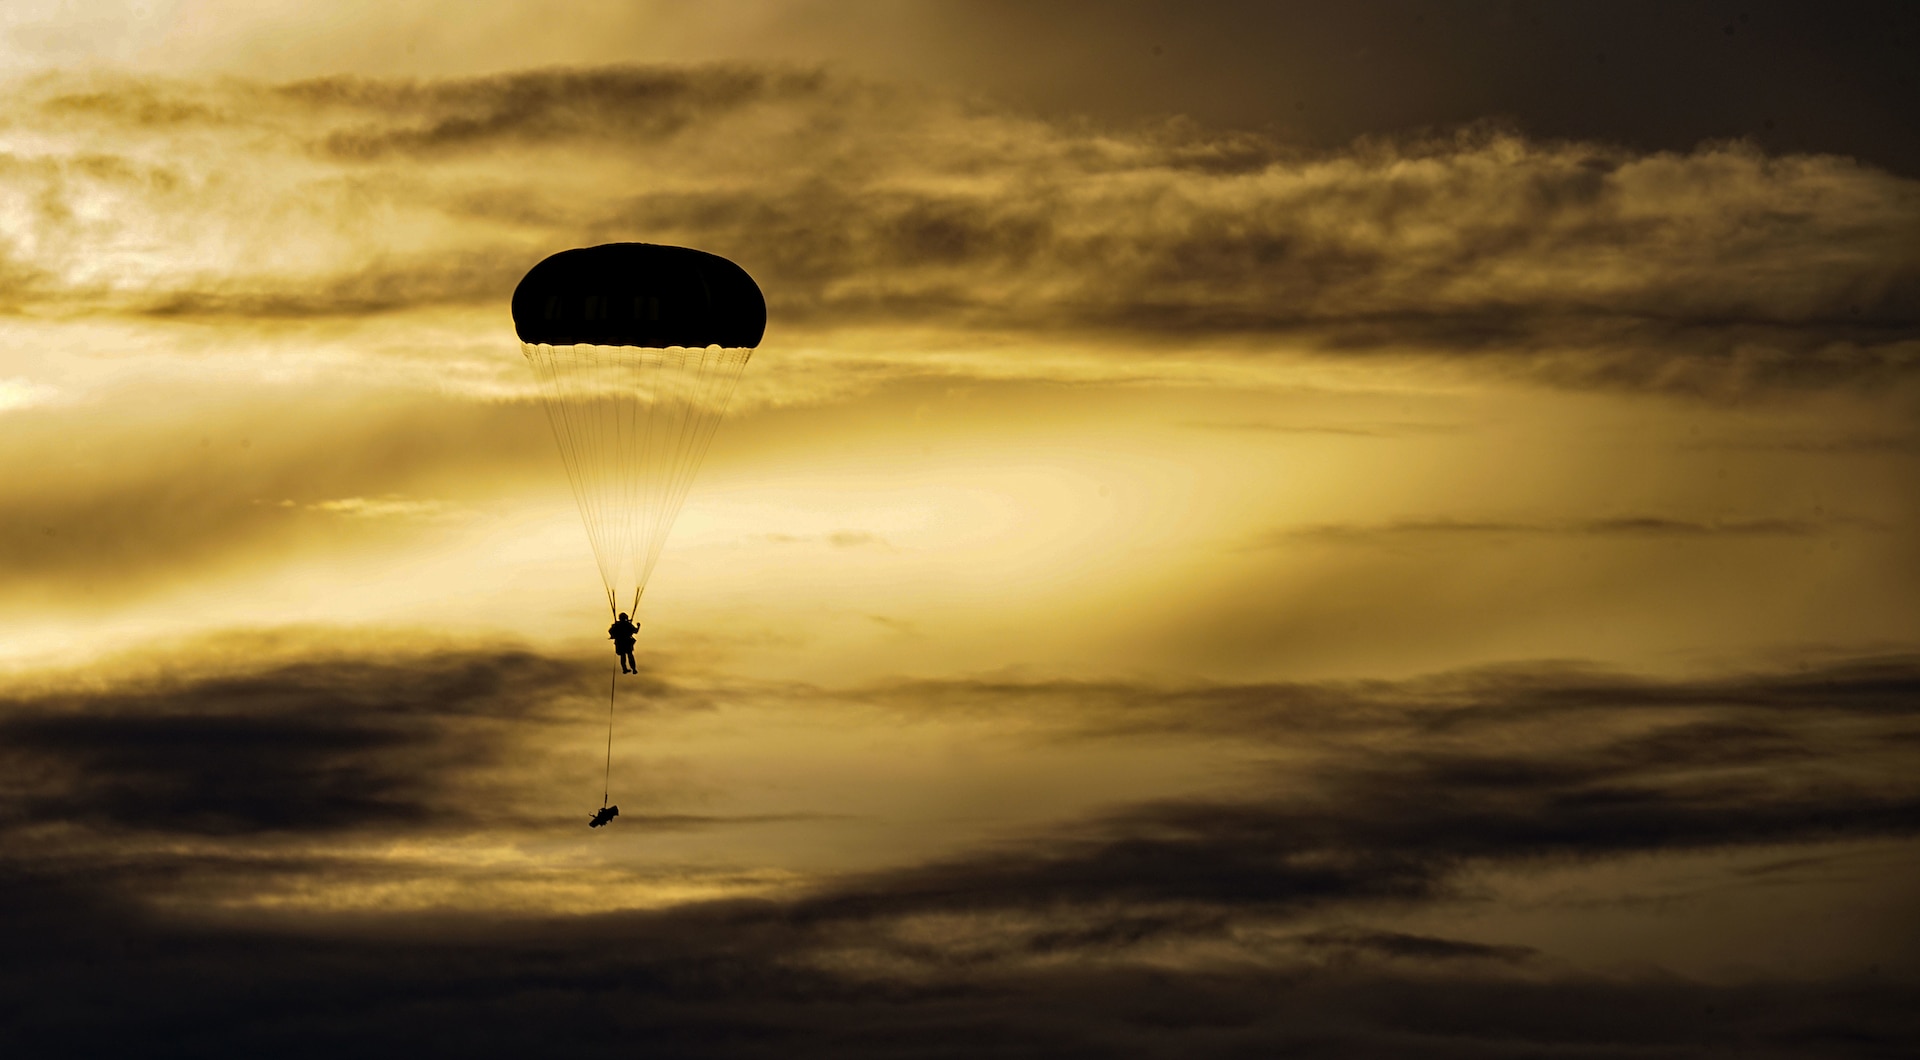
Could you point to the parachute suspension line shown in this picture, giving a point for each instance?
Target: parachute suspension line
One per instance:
(606, 778)
(570, 414)
(633, 426)
(706, 379)
(566, 374)
(559, 418)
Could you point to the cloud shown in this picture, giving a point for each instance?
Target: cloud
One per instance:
(669, 822)
(1396, 771)
(390, 506)
(1372, 430)
(861, 204)
(1462, 706)
(1177, 926)
(1387, 791)
(632, 107)
(1652, 526)
(1841, 445)
(853, 539)
(1411, 947)
(311, 746)
(841, 539)
(1387, 835)
(725, 983)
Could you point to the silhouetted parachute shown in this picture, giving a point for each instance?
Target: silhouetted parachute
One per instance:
(637, 348)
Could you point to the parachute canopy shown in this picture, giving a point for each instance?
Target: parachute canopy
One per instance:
(639, 294)
(637, 348)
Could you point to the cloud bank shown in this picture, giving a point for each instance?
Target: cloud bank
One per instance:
(864, 204)
(1184, 926)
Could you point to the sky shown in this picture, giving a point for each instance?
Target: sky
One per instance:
(1254, 527)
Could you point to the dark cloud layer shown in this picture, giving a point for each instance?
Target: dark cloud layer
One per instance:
(1460, 705)
(719, 984)
(1720, 267)
(1482, 243)
(1089, 937)
(1771, 759)
(626, 107)
(321, 746)
(1654, 74)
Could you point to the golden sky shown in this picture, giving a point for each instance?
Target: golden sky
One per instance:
(1239, 516)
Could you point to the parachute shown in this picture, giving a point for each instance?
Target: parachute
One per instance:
(637, 348)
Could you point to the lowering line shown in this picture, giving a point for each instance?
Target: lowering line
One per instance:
(607, 777)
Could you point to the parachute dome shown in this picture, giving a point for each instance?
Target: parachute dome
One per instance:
(636, 348)
(639, 294)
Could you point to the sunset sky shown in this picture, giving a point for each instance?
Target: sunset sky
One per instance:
(1388, 529)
